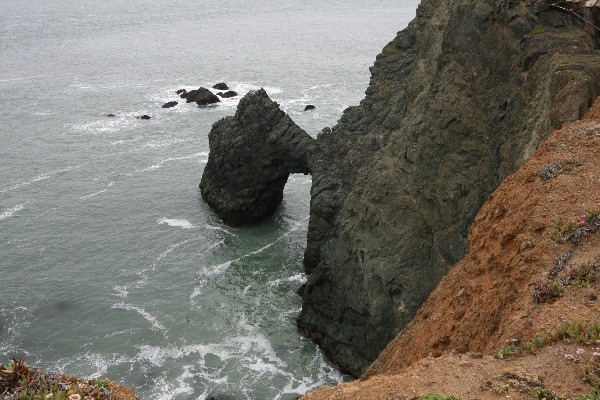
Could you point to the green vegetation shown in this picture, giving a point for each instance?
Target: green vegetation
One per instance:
(24, 383)
(592, 376)
(574, 330)
(584, 275)
(547, 292)
(537, 30)
(574, 231)
(574, 74)
(559, 229)
(542, 393)
(437, 396)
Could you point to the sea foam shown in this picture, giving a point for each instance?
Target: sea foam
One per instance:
(177, 223)
(9, 212)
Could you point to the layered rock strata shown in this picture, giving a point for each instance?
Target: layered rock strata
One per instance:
(251, 157)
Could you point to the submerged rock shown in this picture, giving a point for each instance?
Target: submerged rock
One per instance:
(251, 157)
(227, 94)
(144, 117)
(170, 104)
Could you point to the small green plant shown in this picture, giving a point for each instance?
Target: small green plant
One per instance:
(508, 351)
(542, 393)
(574, 330)
(538, 30)
(592, 376)
(574, 74)
(547, 292)
(560, 230)
(584, 275)
(540, 339)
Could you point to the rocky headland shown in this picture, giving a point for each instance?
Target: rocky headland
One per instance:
(457, 102)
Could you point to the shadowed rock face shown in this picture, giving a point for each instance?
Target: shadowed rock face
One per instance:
(456, 102)
(251, 157)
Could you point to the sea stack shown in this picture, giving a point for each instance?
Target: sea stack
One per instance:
(251, 157)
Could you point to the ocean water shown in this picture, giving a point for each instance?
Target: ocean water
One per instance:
(110, 263)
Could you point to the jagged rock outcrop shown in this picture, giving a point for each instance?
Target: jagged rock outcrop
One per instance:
(251, 157)
(456, 102)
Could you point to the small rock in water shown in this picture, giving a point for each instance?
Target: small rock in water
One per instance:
(180, 91)
(170, 104)
(201, 96)
(144, 117)
(205, 97)
(220, 396)
(309, 107)
(111, 115)
(221, 86)
(227, 94)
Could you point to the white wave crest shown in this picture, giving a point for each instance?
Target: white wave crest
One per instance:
(147, 316)
(92, 195)
(42, 177)
(177, 223)
(161, 162)
(9, 212)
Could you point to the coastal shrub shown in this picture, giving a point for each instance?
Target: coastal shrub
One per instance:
(547, 292)
(574, 231)
(542, 393)
(584, 275)
(557, 168)
(19, 381)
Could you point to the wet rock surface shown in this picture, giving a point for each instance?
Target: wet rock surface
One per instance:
(221, 86)
(200, 96)
(227, 94)
(170, 104)
(251, 157)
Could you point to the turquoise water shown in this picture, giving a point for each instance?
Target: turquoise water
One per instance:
(110, 263)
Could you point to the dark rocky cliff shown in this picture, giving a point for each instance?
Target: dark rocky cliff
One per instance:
(457, 101)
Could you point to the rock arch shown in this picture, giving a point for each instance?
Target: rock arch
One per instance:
(251, 157)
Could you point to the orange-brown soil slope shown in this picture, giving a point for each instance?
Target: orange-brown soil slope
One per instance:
(521, 253)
